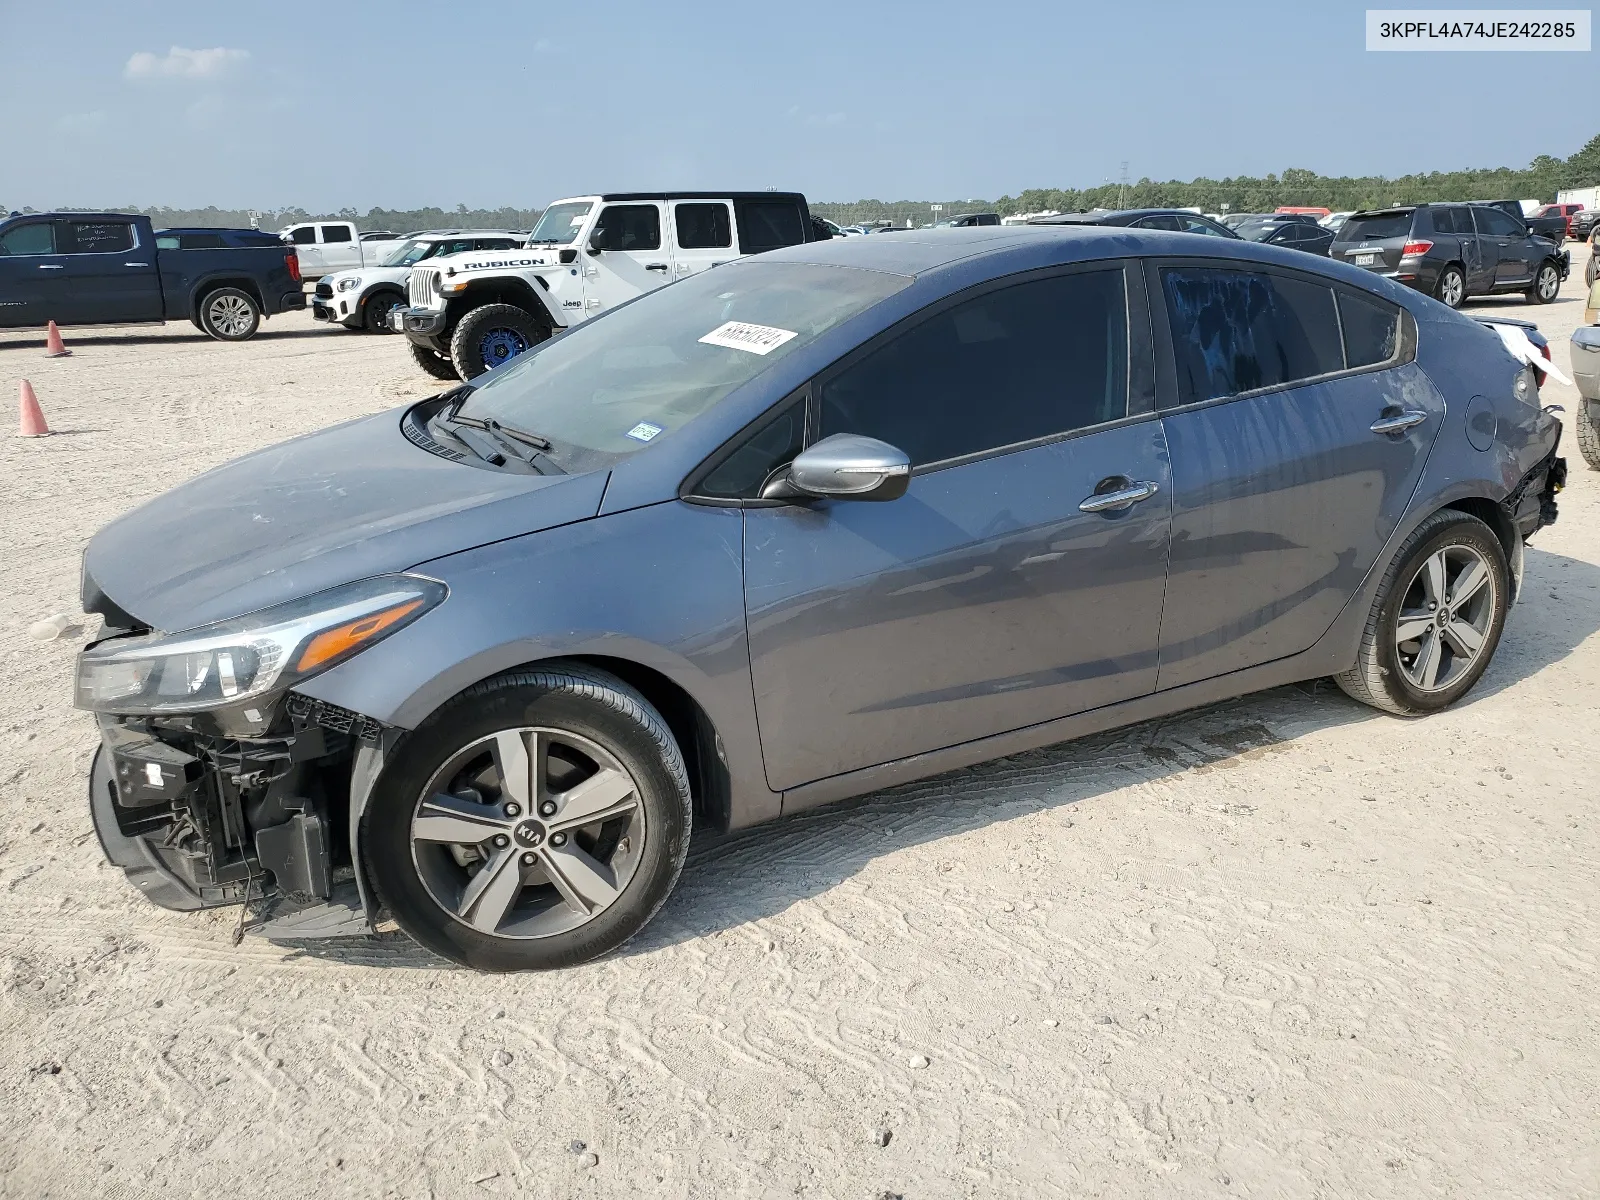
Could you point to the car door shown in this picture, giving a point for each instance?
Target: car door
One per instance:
(1286, 483)
(1498, 234)
(702, 235)
(1020, 578)
(304, 240)
(32, 275)
(341, 251)
(626, 255)
(109, 278)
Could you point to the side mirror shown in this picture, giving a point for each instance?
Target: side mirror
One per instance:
(845, 466)
(592, 249)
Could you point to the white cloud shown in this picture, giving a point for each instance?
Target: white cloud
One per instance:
(178, 63)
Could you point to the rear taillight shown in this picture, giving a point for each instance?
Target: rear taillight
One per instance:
(292, 261)
(1415, 249)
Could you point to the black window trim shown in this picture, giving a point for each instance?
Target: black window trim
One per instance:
(1142, 366)
(1166, 357)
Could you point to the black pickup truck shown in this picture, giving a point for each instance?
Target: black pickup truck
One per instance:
(1554, 228)
(110, 269)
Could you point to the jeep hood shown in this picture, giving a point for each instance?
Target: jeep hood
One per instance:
(343, 504)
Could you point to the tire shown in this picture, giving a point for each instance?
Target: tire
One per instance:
(230, 314)
(376, 309)
(1382, 677)
(1451, 289)
(492, 335)
(435, 364)
(445, 781)
(1592, 269)
(1588, 422)
(1546, 284)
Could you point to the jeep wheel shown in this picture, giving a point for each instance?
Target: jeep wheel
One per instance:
(375, 312)
(491, 336)
(435, 364)
(538, 820)
(1546, 284)
(1588, 421)
(1452, 289)
(230, 315)
(1436, 620)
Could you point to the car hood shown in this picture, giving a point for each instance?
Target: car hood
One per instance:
(370, 275)
(347, 503)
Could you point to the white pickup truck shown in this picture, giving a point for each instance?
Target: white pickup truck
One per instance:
(364, 298)
(473, 312)
(324, 247)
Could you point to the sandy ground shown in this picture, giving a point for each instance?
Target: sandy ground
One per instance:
(1282, 947)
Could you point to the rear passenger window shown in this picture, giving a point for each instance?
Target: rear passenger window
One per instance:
(335, 233)
(703, 226)
(768, 224)
(98, 237)
(1371, 330)
(1013, 365)
(1237, 331)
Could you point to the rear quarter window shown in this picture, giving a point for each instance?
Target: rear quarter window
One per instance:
(768, 224)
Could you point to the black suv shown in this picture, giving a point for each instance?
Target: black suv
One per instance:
(1453, 251)
(1178, 219)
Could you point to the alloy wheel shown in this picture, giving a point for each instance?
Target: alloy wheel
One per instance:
(499, 346)
(230, 316)
(1445, 617)
(528, 833)
(1549, 284)
(1453, 291)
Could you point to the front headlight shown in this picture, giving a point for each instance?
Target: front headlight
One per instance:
(219, 665)
(349, 283)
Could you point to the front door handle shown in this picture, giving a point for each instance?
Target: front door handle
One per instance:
(655, 266)
(51, 267)
(1122, 498)
(1400, 422)
(136, 264)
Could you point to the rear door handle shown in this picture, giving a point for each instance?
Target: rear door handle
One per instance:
(1400, 422)
(136, 264)
(1120, 499)
(655, 266)
(51, 267)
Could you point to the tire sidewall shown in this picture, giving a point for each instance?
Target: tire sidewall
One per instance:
(212, 331)
(432, 363)
(1465, 530)
(386, 824)
(463, 342)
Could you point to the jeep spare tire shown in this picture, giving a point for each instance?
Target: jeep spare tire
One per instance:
(492, 336)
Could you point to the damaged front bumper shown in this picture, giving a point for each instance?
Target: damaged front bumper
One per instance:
(197, 820)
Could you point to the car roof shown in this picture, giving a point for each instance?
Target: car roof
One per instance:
(1109, 216)
(610, 196)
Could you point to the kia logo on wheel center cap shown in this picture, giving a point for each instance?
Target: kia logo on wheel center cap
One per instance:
(529, 833)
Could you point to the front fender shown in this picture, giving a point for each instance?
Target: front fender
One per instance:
(661, 587)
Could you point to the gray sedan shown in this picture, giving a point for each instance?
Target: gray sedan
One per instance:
(807, 525)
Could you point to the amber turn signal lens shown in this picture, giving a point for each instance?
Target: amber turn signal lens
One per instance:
(336, 642)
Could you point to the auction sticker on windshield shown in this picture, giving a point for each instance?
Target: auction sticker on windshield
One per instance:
(753, 339)
(644, 431)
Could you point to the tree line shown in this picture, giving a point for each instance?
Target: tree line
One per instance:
(1541, 180)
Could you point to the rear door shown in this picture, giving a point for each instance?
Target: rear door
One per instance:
(1455, 238)
(627, 254)
(304, 240)
(702, 235)
(32, 274)
(109, 276)
(1283, 495)
(1502, 238)
(341, 250)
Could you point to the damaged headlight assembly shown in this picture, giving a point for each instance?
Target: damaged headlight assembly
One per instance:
(251, 657)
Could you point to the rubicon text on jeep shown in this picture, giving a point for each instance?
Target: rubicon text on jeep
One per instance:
(586, 255)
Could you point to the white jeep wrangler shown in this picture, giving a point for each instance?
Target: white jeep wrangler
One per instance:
(364, 298)
(473, 312)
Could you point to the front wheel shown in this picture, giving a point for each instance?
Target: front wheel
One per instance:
(1436, 620)
(491, 336)
(1452, 289)
(230, 315)
(538, 820)
(435, 364)
(1545, 285)
(375, 312)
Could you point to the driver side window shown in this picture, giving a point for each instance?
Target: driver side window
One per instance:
(627, 227)
(37, 238)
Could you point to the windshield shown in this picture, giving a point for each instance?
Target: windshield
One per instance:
(407, 253)
(604, 389)
(560, 224)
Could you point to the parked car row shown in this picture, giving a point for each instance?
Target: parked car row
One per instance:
(364, 298)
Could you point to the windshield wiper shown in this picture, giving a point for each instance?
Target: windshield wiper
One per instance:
(508, 437)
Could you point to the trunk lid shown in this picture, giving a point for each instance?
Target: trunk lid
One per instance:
(1373, 241)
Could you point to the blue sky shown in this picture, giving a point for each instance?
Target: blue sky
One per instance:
(404, 104)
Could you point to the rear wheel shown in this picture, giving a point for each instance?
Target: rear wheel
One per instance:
(435, 364)
(375, 312)
(230, 315)
(1452, 287)
(492, 336)
(1436, 620)
(1545, 284)
(1589, 433)
(539, 820)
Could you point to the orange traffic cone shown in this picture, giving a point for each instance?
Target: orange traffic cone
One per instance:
(54, 347)
(31, 423)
